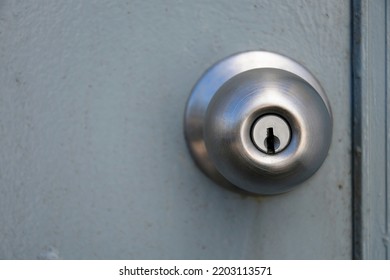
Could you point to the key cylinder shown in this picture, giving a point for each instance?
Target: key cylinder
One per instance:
(271, 134)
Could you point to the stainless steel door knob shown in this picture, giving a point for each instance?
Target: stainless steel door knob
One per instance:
(258, 121)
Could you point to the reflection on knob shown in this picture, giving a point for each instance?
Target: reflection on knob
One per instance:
(258, 121)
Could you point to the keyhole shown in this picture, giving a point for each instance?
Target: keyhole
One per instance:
(271, 142)
(271, 134)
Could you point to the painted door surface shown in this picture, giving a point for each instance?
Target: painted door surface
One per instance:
(94, 163)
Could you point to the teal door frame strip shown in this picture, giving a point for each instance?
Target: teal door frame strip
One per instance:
(371, 128)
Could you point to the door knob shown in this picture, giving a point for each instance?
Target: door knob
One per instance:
(258, 121)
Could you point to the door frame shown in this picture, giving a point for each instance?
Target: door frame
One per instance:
(370, 128)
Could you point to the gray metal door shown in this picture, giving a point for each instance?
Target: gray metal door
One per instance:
(94, 161)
